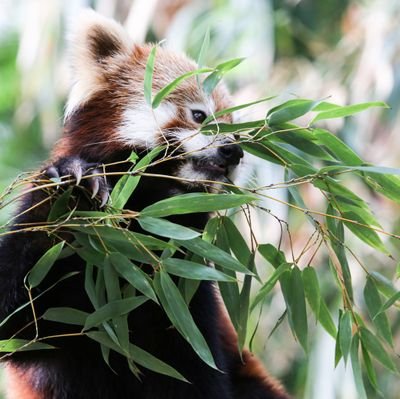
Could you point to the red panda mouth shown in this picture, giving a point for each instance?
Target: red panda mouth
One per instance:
(213, 168)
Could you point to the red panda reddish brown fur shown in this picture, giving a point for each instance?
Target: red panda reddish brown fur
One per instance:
(107, 117)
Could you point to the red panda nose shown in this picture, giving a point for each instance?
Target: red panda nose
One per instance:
(230, 153)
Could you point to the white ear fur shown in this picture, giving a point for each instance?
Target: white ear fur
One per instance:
(92, 41)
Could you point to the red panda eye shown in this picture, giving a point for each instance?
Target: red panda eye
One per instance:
(198, 115)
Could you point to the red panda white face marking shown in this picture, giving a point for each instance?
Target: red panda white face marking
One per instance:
(107, 111)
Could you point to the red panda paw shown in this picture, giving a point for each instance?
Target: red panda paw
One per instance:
(83, 173)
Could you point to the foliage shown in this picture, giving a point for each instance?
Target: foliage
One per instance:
(311, 156)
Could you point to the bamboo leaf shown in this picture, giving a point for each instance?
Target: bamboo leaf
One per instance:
(244, 303)
(194, 271)
(375, 348)
(60, 206)
(43, 265)
(179, 315)
(127, 184)
(289, 111)
(337, 147)
(293, 292)
(370, 371)
(170, 87)
(219, 71)
(326, 320)
(345, 334)
(147, 360)
(165, 228)
(230, 110)
(213, 253)
(374, 304)
(274, 256)
(391, 301)
(366, 234)
(355, 365)
(269, 284)
(311, 289)
(112, 310)
(66, 315)
(22, 345)
(204, 48)
(196, 202)
(236, 241)
(131, 273)
(347, 110)
(148, 75)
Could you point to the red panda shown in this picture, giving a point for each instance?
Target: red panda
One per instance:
(106, 118)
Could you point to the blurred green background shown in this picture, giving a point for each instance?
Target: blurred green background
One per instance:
(344, 50)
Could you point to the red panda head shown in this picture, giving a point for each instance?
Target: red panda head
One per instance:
(107, 112)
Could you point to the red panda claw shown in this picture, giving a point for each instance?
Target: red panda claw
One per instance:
(52, 173)
(77, 173)
(104, 198)
(94, 185)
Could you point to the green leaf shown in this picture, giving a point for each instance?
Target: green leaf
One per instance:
(131, 273)
(147, 360)
(211, 229)
(213, 253)
(122, 236)
(66, 315)
(219, 71)
(138, 355)
(127, 184)
(301, 139)
(22, 345)
(392, 300)
(387, 185)
(374, 304)
(111, 280)
(376, 349)
(194, 271)
(384, 285)
(90, 287)
(170, 87)
(43, 265)
(336, 229)
(229, 291)
(236, 241)
(345, 333)
(370, 371)
(366, 234)
(289, 110)
(196, 202)
(269, 284)
(230, 110)
(273, 255)
(112, 310)
(60, 206)
(311, 289)
(204, 48)
(363, 213)
(165, 228)
(244, 303)
(148, 75)
(347, 110)
(179, 315)
(293, 292)
(326, 320)
(337, 147)
(223, 128)
(355, 365)
(376, 170)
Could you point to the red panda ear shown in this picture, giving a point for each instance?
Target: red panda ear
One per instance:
(94, 42)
